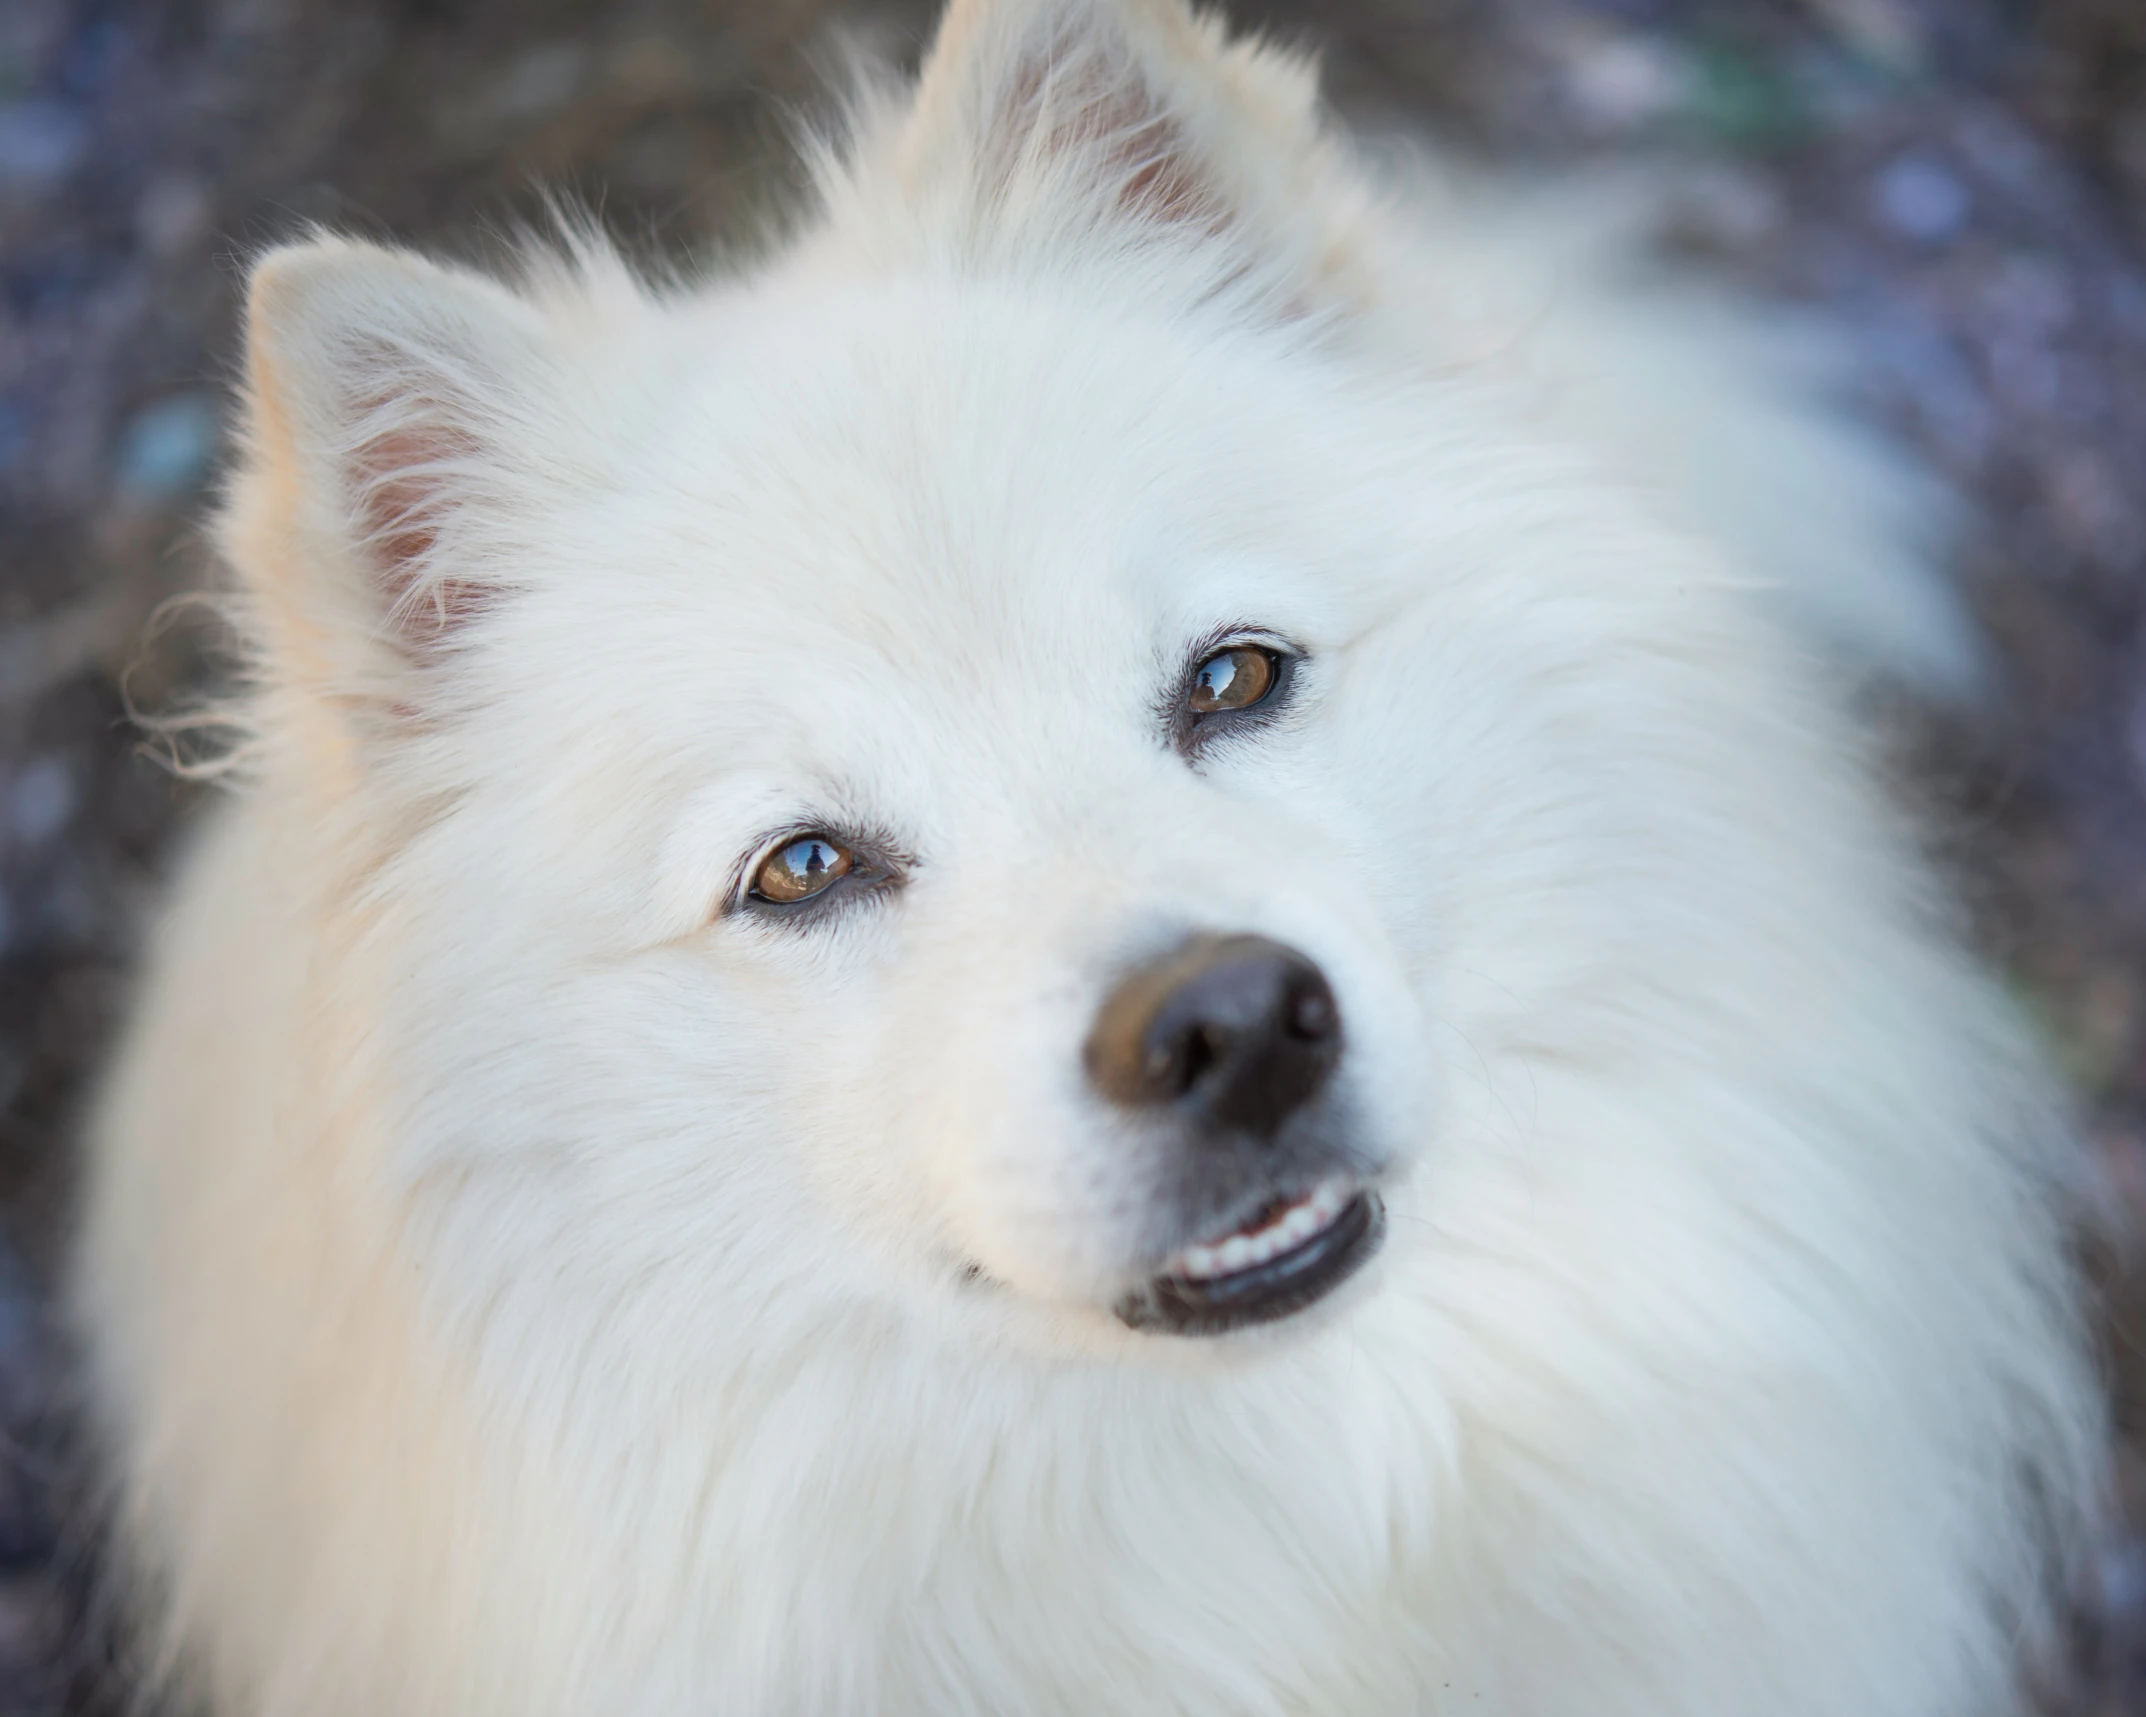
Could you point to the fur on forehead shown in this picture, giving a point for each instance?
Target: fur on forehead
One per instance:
(412, 427)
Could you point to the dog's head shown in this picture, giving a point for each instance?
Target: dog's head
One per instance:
(985, 764)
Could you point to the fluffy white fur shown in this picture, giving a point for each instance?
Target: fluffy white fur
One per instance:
(513, 1285)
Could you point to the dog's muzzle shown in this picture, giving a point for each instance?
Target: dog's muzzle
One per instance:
(1228, 1047)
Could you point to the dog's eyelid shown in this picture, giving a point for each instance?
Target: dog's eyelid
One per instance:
(1233, 635)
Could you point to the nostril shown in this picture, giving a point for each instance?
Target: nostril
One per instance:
(1204, 1046)
(1180, 1054)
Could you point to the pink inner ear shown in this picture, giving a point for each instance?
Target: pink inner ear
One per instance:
(405, 478)
(1107, 112)
(1146, 150)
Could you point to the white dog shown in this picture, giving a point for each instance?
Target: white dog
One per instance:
(1101, 948)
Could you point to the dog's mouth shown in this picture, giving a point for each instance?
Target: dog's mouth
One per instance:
(1290, 1253)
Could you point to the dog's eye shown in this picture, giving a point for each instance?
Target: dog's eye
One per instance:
(1233, 679)
(800, 869)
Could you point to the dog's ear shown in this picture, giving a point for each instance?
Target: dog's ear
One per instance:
(1042, 120)
(389, 401)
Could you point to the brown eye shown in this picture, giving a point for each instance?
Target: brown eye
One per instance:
(1236, 678)
(801, 868)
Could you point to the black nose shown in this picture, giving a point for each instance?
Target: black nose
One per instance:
(1239, 1030)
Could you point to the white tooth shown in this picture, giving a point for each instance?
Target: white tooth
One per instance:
(1283, 1233)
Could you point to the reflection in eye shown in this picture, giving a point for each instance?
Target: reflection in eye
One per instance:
(1231, 679)
(801, 868)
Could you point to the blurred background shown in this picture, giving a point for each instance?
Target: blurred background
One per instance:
(1959, 184)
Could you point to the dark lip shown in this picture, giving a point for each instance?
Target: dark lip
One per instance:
(1263, 1293)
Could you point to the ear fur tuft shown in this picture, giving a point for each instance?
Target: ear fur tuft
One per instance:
(386, 396)
(1039, 124)
(1068, 89)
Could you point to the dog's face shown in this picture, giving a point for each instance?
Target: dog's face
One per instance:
(918, 785)
(1004, 719)
(928, 773)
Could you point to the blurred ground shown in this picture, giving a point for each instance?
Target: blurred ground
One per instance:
(1962, 183)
